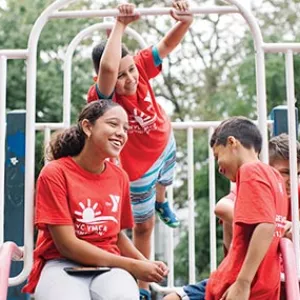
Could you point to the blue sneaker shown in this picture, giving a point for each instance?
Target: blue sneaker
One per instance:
(145, 294)
(166, 215)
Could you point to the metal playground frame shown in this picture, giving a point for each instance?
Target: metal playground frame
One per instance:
(10, 251)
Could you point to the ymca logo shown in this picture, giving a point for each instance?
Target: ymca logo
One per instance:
(143, 119)
(90, 214)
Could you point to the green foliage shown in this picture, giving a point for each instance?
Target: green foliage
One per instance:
(279, 23)
(52, 46)
(201, 230)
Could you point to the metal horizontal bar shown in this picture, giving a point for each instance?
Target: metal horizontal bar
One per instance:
(142, 11)
(14, 54)
(199, 125)
(53, 126)
(281, 47)
(203, 124)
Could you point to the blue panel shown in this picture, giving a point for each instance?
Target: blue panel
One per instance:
(279, 115)
(14, 190)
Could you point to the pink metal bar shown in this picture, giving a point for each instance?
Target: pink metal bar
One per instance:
(9, 251)
(290, 269)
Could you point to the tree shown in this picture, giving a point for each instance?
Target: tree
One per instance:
(279, 23)
(52, 45)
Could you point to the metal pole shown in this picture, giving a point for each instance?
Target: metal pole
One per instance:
(170, 248)
(3, 78)
(290, 91)
(260, 74)
(191, 201)
(212, 204)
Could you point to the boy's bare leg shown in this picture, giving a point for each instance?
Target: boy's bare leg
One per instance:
(160, 193)
(172, 296)
(142, 240)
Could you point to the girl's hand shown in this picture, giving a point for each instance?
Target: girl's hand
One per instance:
(163, 267)
(150, 271)
(127, 13)
(181, 6)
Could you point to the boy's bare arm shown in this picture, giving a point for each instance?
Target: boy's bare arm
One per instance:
(288, 229)
(175, 35)
(127, 248)
(260, 242)
(110, 61)
(224, 211)
(227, 235)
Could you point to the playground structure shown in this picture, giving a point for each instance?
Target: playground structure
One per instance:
(10, 251)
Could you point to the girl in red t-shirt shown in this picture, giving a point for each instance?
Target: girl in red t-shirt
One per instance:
(82, 206)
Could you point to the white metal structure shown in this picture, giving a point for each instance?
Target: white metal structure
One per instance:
(30, 55)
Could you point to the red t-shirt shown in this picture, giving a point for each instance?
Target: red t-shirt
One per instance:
(97, 205)
(232, 196)
(261, 198)
(149, 125)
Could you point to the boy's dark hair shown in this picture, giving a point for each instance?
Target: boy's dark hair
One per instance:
(242, 129)
(279, 148)
(70, 142)
(98, 51)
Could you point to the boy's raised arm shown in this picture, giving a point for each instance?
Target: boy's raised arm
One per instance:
(260, 242)
(110, 60)
(175, 35)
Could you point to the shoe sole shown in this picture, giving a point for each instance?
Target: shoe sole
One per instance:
(172, 225)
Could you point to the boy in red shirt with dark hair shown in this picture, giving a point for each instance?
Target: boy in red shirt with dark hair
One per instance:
(278, 159)
(149, 157)
(251, 269)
